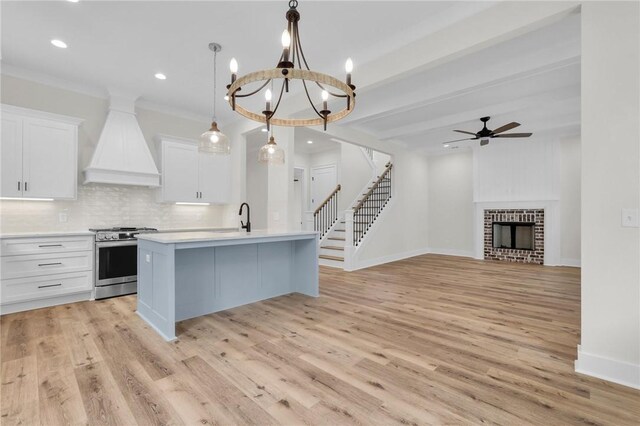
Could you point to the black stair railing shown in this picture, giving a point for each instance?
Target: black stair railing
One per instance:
(371, 204)
(327, 213)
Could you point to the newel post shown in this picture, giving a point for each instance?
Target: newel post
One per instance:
(349, 248)
(307, 221)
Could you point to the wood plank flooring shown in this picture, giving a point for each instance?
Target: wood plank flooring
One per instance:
(428, 340)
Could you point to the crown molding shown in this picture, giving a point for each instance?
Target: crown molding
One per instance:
(48, 80)
(94, 91)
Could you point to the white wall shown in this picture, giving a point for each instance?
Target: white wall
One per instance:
(450, 190)
(101, 205)
(355, 174)
(257, 180)
(610, 334)
(401, 230)
(570, 211)
(542, 172)
(517, 170)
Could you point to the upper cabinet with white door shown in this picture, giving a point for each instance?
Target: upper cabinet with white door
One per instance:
(39, 154)
(190, 176)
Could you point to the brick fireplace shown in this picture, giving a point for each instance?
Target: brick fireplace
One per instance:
(514, 235)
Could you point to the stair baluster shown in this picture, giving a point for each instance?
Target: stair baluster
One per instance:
(326, 215)
(371, 204)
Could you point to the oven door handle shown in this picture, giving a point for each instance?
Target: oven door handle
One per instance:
(117, 243)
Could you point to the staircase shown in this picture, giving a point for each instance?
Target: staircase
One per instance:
(337, 237)
(332, 247)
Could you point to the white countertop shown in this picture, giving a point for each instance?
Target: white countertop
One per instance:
(43, 234)
(192, 237)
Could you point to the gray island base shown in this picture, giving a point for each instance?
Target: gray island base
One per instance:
(189, 274)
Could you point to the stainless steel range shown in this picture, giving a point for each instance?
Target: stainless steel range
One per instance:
(117, 261)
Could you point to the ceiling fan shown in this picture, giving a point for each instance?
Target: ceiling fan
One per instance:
(485, 134)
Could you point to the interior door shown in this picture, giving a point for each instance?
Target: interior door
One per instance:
(214, 179)
(49, 159)
(11, 156)
(324, 180)
(180, 172)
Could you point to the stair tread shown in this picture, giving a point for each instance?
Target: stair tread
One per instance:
(332, 248)
(339, 230)
(336, 238)
(336, 258)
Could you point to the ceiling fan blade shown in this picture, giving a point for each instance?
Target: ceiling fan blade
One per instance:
(513, 135)
(459, 140)
(465, 132)
(506, 127)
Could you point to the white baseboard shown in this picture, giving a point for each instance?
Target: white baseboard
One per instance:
(620, 372)
(45, 303)
(570, 262)
(452, 252)
(361, 264)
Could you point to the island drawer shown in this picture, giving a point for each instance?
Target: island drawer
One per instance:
(32, 288)
(43, 245)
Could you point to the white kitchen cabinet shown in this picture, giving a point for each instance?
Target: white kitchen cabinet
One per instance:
(190, 176)
(39, 154)
(36, 272)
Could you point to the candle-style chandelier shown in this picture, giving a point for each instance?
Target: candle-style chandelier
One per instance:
(292, 66)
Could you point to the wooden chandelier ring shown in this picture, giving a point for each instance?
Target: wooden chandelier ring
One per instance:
(293, 74)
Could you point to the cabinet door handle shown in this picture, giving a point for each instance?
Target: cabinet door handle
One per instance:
(50, 245)
(50, 264)
(26, 186)
(50, 285)
(19, 184)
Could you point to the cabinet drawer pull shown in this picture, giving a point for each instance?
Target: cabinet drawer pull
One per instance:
(50, 245)
(49, 264)
(50, 285)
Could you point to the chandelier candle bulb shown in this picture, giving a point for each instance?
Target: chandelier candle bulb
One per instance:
(233, 67)
(349, 68)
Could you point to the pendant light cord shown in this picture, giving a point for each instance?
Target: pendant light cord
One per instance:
(215, 83)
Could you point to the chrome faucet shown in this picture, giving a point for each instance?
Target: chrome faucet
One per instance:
(248, 225)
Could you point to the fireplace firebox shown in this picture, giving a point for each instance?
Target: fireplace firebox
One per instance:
(515, 236)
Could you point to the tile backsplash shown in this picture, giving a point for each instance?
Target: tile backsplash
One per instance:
(105, 206)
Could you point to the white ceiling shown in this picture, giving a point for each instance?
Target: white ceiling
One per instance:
(533, 78)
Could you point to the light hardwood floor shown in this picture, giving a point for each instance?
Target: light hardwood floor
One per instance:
(429, 340)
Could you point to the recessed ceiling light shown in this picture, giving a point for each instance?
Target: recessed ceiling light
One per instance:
(447, 145)
(73, 1)
(59, 43)
(264, 129)
(309, 142)
(160, 76)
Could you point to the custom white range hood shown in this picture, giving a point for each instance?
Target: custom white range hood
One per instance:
(122, 156)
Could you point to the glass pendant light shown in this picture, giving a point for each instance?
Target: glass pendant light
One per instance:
(213, 140)
(271, 153)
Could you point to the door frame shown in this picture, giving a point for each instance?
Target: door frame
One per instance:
(312, 175)
(303, 187)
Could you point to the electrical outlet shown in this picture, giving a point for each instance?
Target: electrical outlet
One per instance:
(147, 258)
(63, 217)
(630, 218)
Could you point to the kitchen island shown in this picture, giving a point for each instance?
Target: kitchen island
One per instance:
(188, 274)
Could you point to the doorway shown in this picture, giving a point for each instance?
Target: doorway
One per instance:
(299, 197)
(324, 180)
